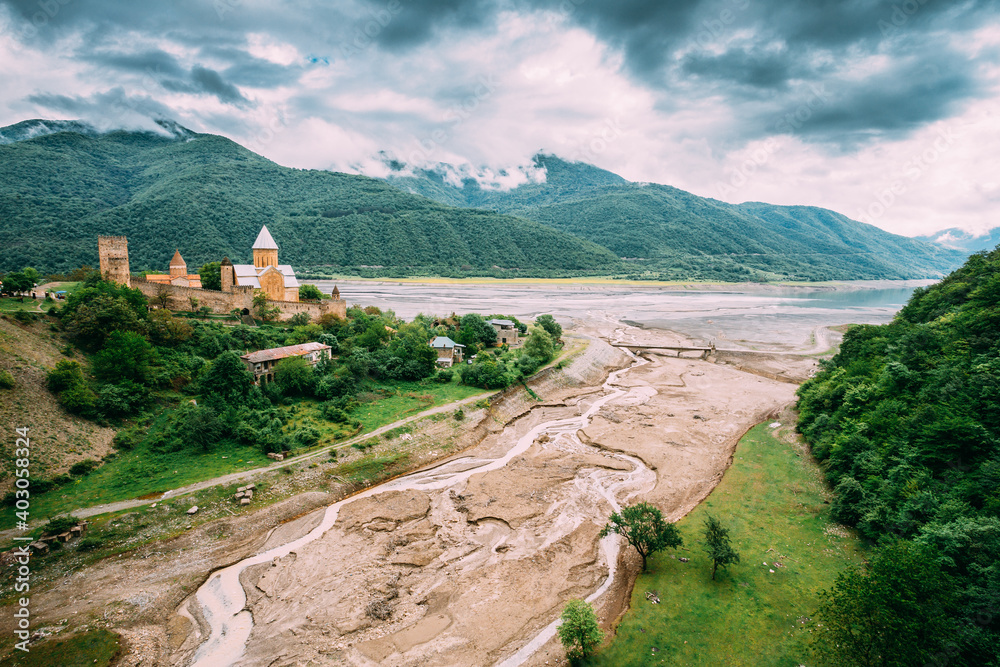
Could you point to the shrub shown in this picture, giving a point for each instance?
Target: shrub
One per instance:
(64, 375)
(444, 376)
(307, 436)
(127, 439)
(459, 414)
(121, 400)
(6, 380)
(24, 317)
(90, 544)
(79, 400)
(81, 468)
(58, 525)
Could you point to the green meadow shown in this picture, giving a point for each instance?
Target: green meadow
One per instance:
(773, 501)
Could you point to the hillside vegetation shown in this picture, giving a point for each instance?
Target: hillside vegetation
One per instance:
(209, 197)
(669, 233)
(905, 422)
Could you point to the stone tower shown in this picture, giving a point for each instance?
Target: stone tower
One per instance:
(113, 253)
(178, 268)
(228, 275)
(265, 250)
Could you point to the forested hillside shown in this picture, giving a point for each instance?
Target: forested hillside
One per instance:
(906, 422)
(674, 234)
(209, 197)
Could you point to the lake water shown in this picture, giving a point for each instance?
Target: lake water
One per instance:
(751, 316)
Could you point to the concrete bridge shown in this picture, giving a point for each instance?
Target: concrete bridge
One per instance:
(703, 352)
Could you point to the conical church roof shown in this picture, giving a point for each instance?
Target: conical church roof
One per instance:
(177, 260)
(264, 240)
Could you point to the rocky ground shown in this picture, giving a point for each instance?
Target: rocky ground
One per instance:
(469, 573)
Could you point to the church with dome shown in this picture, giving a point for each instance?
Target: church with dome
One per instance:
(179, 290)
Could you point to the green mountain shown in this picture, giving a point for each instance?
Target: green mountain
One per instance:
(62, 183)
(666, 232)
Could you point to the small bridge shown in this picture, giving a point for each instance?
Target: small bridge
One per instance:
(703, 352)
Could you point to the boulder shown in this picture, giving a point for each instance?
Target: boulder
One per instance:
(193, 510)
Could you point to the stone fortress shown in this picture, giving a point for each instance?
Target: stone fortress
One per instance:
(239, 282)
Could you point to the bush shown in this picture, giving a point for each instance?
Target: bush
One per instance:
(127, 439)
(6, 380)
(90, 544)
(444, 376)
(81, 468)
(58, 525)
(122, 400)
(24, 317)
(334, 414)
(459, 414)
(307, 436)
(65, 375)
(79, 400)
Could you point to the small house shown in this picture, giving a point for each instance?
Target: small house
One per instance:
(506, 332)
(449, 352)
(261, 364)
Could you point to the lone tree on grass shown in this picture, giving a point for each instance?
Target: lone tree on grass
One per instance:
(717, 545)
(644, 527)
(578, 631)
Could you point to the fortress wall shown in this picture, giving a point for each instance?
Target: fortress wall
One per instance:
(224, 302)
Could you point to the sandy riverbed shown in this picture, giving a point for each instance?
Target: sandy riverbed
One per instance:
(470, 573)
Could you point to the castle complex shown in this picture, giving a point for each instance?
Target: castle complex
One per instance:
(239, 282)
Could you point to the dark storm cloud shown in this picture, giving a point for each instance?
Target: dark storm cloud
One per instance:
(154, 63)
(891, 103)
(399, 24)
(115, 107)
(750, 68)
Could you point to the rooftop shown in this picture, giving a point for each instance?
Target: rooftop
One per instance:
(264, 240)
(445, 342)
(283, 352)
(502, 323)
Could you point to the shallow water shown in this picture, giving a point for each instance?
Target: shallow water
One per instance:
(765, 315)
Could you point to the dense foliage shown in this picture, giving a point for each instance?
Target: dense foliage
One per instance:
(668, 233)
(905, 421)
(209, 197)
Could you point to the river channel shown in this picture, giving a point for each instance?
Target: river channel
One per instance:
(222, 599)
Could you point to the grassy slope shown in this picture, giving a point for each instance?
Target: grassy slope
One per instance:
(142, 471)
(773, 501)
(58, 439)
(86, 649)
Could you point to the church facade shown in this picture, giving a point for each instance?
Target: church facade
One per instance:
(240, 282)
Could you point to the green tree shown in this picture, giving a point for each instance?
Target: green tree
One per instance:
(549, 323)
(309, 293)
(126, 356)
(579, 631)
(16, 282)
(33, 276)
(211, 276)
(896, 612)
(265, 311)
(644, 527)
(294, 376)
(227, 381)
(717, 545)
(476, 330)
(193, 302)
(539, 345)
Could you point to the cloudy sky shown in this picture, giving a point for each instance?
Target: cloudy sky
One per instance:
(884, 111)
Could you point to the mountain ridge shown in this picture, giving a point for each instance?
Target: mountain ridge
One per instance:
(672, 233)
